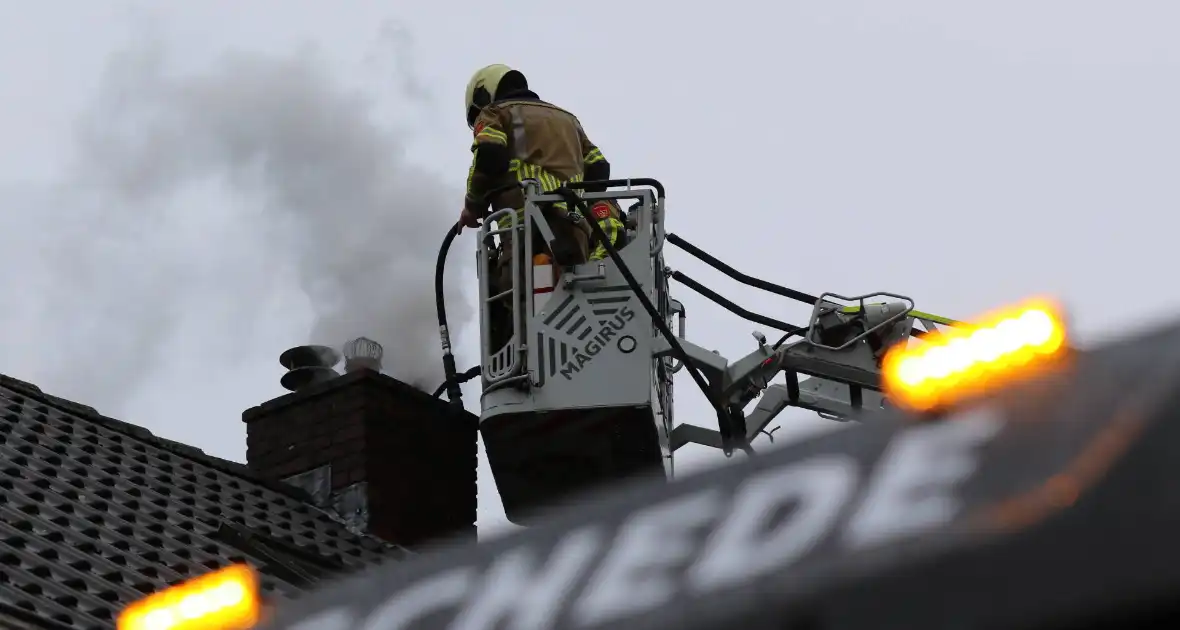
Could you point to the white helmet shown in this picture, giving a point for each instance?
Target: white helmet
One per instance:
(481, 89)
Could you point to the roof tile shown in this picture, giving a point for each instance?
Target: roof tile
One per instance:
(95, 513)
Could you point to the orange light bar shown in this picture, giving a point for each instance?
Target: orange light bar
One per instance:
(226, 599)
(962, 363)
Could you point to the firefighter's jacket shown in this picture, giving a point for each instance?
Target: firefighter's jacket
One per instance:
(521, 137)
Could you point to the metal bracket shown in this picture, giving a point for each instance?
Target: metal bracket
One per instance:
(677, 308)
(570, 279)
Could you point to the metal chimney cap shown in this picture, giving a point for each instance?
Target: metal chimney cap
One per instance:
(300, 378)
(309, 356)
(363, 347)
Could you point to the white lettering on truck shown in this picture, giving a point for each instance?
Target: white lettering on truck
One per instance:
(741, 547)
(915, 488)
(912, 491)
(515, 588)
(331, 619)
(431, 595)
(636, 574)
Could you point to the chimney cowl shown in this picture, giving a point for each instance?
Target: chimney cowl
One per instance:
(308, 365)
(363, 352)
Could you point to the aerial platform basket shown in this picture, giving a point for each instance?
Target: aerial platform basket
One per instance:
(576, 398)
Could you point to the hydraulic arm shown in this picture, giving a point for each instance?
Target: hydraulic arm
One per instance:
(834, 369)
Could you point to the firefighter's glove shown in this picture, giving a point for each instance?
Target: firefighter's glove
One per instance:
(467, 218)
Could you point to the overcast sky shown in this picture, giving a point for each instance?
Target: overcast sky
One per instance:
(187, 190)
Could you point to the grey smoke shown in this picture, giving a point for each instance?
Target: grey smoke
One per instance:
(195, 197)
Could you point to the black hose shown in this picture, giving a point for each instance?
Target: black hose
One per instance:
(451, 384)
(739, 276)
(757, 283)
(459, 380)
(452, 378)
(723, 416)
(751, 316)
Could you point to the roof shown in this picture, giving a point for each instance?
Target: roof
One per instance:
(96, 513)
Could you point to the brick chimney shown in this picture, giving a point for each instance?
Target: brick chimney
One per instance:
(388, 457)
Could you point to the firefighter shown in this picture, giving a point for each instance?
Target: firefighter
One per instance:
(518, 136)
